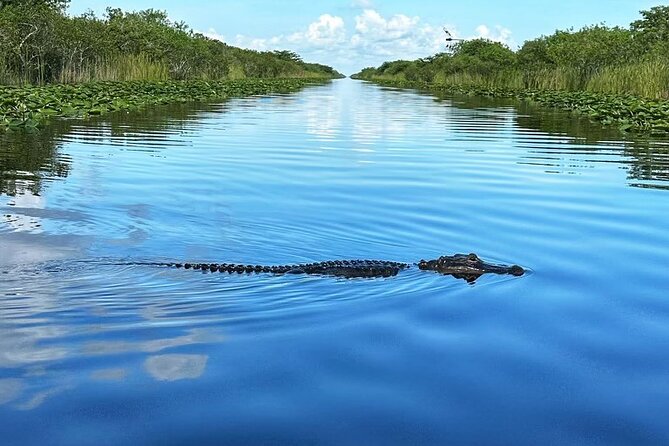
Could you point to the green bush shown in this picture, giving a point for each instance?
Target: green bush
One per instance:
(39, 44)
(595, 58)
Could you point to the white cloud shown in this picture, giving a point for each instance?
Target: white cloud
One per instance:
(399, 36)
(328, 30)
(373, 38)
(499, 34)
(372, 23)
(213, 34)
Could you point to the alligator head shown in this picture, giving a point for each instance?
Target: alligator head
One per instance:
(468, 267)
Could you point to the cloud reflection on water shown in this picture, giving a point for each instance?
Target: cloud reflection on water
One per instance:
(41, 341)
(10, 389)
(176, 367)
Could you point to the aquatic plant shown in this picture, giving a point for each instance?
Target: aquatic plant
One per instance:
(630, 113)
(22, 107)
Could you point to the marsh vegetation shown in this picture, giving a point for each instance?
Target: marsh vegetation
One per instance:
(614, 75)
(633, 60)
(40, 43)
(29, 106)
(53, 64)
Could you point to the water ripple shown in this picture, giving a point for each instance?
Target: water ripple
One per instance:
(144, 354)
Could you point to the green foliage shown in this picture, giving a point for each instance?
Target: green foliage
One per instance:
(22, 107)
(653, 27)
(53, 4)
(590, 49)
(595, 58)
(486, 52)
(288, 55)
(40, 44)
(628, 113)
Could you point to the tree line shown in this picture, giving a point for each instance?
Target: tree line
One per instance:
(597, 58)
(40, 43)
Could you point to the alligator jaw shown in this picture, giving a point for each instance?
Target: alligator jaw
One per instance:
(467, 267)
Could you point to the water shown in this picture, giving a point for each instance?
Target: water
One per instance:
(97, 353)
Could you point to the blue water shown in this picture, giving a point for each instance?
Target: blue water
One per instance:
(97, 353)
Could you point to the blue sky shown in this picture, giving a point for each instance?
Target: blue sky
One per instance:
(352, 34)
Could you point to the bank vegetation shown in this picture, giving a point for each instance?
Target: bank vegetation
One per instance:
(40, 44)
(614, 75)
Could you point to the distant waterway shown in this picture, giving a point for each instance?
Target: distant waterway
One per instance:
(93, 351)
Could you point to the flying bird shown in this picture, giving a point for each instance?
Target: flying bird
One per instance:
(449, 36)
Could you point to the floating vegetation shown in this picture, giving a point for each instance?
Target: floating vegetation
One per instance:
(29, 107)
(629, 113)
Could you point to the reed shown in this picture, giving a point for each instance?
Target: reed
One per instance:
(508, 79)
(121, 68)
(649, 79)
(41, 44)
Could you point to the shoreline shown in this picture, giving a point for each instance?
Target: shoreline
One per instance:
(631, 114)
(29, 107)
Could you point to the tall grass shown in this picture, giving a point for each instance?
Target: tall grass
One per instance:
(507, 79)
(236, 71)
(648, 79)
(558, 78)
(126, 67)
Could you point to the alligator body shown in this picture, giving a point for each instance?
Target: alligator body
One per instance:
(468, 267)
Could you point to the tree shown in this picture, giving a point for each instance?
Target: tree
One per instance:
(486, 51)
(60, 5)
(534, 53)
(27, 35)
(290, 56)
(653, 27)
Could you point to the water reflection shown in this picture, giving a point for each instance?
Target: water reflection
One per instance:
(26, 201)
(39, 350)
(37, 399)
(193, 337)
(339, 171)
(28, 159)
(10, 389)
(176, 367)
(645, 159)
(106, 375)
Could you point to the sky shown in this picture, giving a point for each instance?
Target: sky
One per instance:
(352, 34)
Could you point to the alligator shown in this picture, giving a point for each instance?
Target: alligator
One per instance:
(468, 267)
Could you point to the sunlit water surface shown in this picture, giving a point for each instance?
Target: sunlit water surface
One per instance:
(97, 353)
